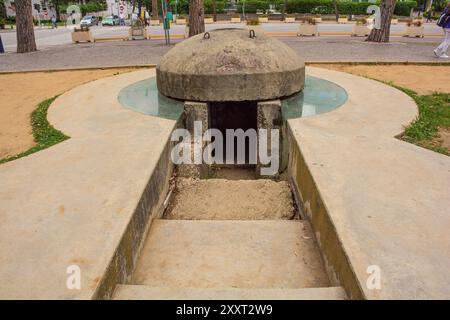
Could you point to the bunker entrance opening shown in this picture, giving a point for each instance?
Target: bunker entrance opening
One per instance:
(234, 115)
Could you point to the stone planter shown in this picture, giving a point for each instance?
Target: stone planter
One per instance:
(342, 20)
(257, 28)
(414, 31)
(360, 31)
(308, 29)
(235, 20)
(289, 20)
(181, 21)
(394, 21)
(209, 20)
(154, 22)
(137, 33)
(317, 19)
(263, 19)
(82, 36)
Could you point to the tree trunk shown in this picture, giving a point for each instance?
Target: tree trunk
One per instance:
(154, 9)
(2, 10)
(196, 17)
(336, 12)
(25, 27)
(56, 5)
(428, 5)
(283, 13)
(214, 4)
(386, 11)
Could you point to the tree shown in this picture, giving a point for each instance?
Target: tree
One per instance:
(283, 13)
(196, 17)
(2, 10)
(214, 8)
(25, 28)
(154, 9)
(386, 11)
(336, 11)
(57, 4)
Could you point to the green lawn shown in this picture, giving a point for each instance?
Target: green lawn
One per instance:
(434, 113)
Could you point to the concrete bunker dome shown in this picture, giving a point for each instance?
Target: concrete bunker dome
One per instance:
(230, 65)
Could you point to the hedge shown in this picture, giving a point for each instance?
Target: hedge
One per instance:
(87, 7)
(403, 8)
(182, 6)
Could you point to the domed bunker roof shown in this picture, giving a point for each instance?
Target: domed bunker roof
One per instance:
(230, 65)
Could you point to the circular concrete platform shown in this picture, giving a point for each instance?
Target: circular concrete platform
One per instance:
(230, 65)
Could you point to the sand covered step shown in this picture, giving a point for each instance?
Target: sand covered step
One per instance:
(230, 254)
(221, 199)
(140, 292)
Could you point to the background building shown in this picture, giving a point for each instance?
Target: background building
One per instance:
(41, 9)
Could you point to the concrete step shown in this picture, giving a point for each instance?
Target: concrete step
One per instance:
(139, 292)
(223, 199)
(230, 254)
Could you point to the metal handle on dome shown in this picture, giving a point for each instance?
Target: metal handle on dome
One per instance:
(206, 35)
(252, 34)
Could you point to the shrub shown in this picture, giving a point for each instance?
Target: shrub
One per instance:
(403, 8)
(252, 6)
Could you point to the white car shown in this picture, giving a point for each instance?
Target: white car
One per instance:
(89, 21)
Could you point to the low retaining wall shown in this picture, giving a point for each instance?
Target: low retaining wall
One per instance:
(150, 206)
(312, 208)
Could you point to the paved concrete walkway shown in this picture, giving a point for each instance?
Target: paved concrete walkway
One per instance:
(70, 204)
(145, 52)
(387, 199)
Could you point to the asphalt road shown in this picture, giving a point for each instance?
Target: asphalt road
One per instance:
(53, 37)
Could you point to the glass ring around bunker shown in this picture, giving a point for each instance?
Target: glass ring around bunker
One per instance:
(317, 97)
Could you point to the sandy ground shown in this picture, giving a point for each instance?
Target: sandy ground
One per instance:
(422, 79)
(21, 93)
(223, 199)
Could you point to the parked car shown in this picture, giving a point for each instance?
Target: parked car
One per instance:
(111, 21)
(89, 21)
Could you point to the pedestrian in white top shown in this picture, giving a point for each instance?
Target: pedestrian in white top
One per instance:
(444, 22)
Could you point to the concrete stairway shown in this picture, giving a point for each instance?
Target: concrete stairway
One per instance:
(140, 292)
(229, 259)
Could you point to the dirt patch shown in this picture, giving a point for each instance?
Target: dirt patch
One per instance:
(442, 138)
(223, 199)
(22, 92)
(422, 79)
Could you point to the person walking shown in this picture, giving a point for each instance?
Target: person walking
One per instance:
(444, 22)
(54, 26)
(429, 16)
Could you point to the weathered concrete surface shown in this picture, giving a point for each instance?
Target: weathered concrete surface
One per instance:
(230, 254)
(140, 292)
(230, 66)
(373, 199)
(269, 117)
(71, 204)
